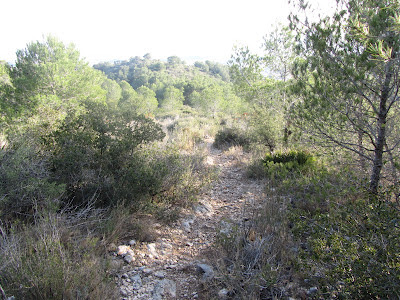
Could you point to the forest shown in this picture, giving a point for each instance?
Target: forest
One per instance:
(90, 156)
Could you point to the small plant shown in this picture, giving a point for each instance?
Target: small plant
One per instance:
(279, 165)
(291, 159)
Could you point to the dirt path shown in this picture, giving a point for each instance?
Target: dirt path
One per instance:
(177, 264)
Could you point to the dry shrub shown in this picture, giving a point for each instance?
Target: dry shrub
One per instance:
(54, 259)
(257, 256)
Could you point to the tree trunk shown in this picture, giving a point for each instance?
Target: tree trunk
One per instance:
(381, 131)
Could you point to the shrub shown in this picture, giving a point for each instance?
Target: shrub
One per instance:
(231, 137)
(51, 260)
(162, 175)
(25, 182)
(93, 149)
(279, 165)
(353, 251)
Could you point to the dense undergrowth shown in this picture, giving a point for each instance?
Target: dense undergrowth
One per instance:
(320, 235)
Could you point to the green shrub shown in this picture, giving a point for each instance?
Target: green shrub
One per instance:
(354, 248)
(162, 175)
(280, 165)
(91, 151)
(298, 158)
(231, 137)
(25, 183)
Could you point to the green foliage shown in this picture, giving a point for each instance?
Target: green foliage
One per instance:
(347, 79)
(173, 98)
(92, 150)
(231, 136)
(164, 176)
(354, 248)
(204, 86)
(50, 68)
(299, 158)
(26, 187)
(281, 164)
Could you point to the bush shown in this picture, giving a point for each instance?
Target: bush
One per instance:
(231, 137)
(162, 176)
(25, 183)
(91, 152)
(280, 165)
(51, 260)
(353, 251)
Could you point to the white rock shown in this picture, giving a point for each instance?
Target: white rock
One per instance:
(159, 274)
(122, 250)
(223, 294)
(152, 249)
(147, 271)
(206, 270)
(186, 226)
(132, 242)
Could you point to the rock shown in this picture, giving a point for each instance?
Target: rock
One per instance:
(136, 282)
(312, 291)
(128, 258)
(152, 249)
(203, 208)
(166, 245)
(116, 264)
(164, 287)
(226, 228)
(223, 294)
(147, 271)
(159, 274)
(122, 250)
(186, 226)
(123, 291)
(206, 270)
(132, 243)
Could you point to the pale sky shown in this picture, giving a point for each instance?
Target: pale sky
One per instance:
(120, 29)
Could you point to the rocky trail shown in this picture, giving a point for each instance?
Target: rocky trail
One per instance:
(177, 265)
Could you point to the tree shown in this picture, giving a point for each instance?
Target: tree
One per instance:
(173, 98)
(349, 80)
(7, 103)
(279, 52)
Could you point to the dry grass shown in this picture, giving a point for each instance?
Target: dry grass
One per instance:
(54, 259)
(257, 255)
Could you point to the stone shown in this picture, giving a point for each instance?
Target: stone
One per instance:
(132, 243)
(123, 291)
(163, 288)
(111, 247)
(312, 291)
(147, 271)
(203, 208)
(186, 226)
(128, 258)
(152, 250)
(223, 294)
(206, 270)
(136, 282)
(123, 249)
(159, 274)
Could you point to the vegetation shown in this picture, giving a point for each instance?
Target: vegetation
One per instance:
(86, 150)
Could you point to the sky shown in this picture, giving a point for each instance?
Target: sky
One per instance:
(119, 29)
